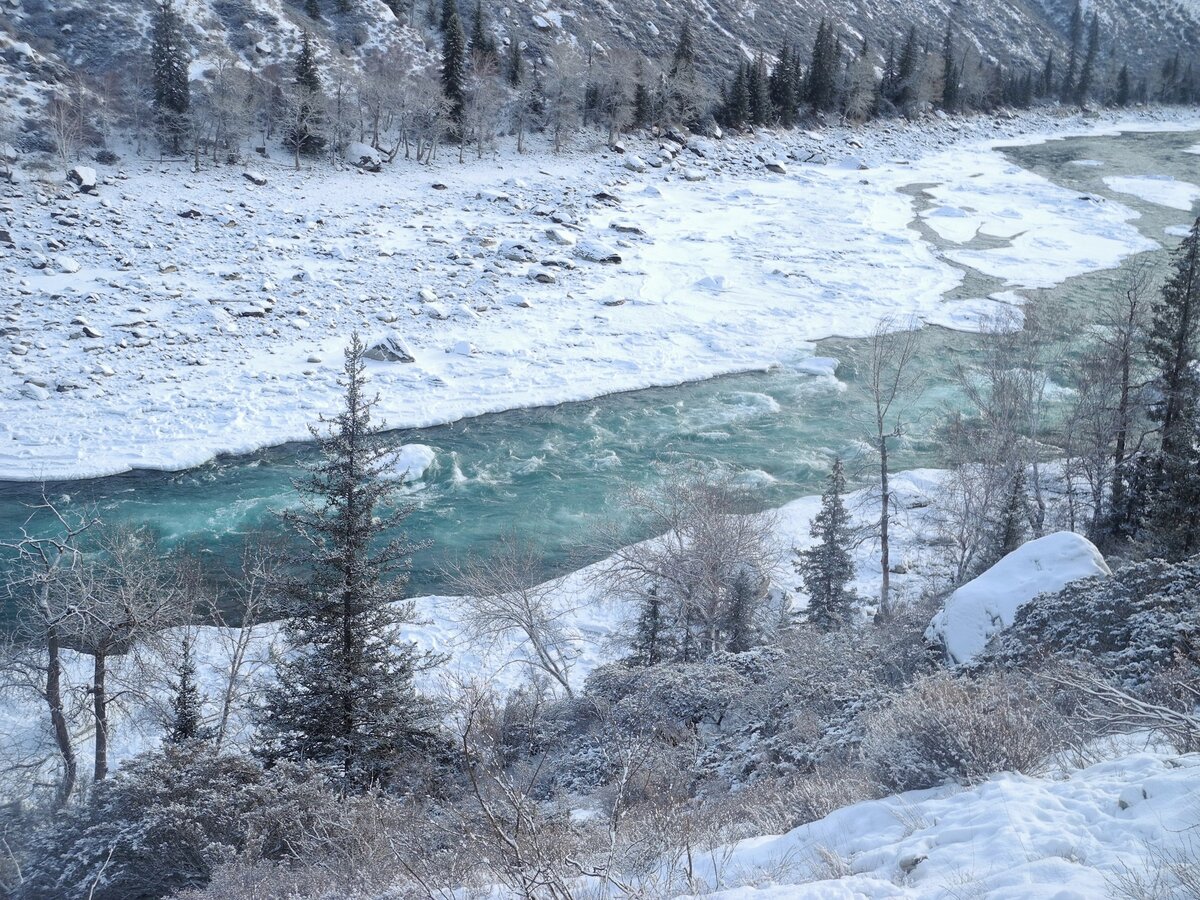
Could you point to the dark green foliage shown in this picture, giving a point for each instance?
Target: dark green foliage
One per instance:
(304, 134)
(783, 87)
(821, 87)
(951, 73)
(454, 65)
(904, 88)
(1083, 89)
(312, 9)
(186, 703)
(344, 699)
(449, 11)
(651, 644)
(643, 105)
(158, 826)
(1124, 88)
(1132, 626)
(737, 107)
(1011, 530)
(826, 567)
(1172, 526)
(514, 68)
(1046, 82)
(169, 64)
(683, 61)
(482, 45)
(761, 109)
(1067, 89)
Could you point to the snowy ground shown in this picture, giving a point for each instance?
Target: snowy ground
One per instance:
(157, 339)
(1076, 834)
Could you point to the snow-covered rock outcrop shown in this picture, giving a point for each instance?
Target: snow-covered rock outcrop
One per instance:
(987, 605)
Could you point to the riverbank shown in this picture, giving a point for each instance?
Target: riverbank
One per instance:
(182, 316)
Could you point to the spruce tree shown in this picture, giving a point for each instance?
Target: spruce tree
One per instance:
(304, 133)
(481, 42)
(454, 66)
(186, 704)
(1011, 530)
(1124, 89)
(783, 93)
(907, 69)
(169, 64)
(514, 69)
(312, 9)
(1083, 89)
(1067, 89)
(344, 699)
(821, 91)
(1173, 520)
(1046, 84)
(761, 111)
(643, 104)
(683, 61)
(950, 72)
(826, 567)
(651, 639)
(449, 11)
(738, 621)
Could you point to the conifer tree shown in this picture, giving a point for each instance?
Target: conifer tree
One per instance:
(738, 624)
(643, 104)
(1083, 89)
(481, 42)
(1011, 530)
(950, 72)
(821, 90)
(783, 89)
(887, 86)
(312, 9)
(304, 135)
(826, 567)
(1173, 520)
(514, 69)
(683, 61)
(761, 112)
(651, 639)
(1046, 83)
(1067, 90)
(1124, 89)
(169, 64)
(907, 69)
(186, 704)
(344, 699)
(454, 66)
(449, 10)
(344, 6)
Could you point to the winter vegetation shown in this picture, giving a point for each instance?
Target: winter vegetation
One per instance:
(981, 679)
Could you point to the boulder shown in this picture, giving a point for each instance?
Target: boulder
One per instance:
(364, 157)
(255, 177)
(561, 236)
(776, 167)
(517, 251)
(389, 348)
(595, 251)
(635, 164)
(84, 178)
(694, 175)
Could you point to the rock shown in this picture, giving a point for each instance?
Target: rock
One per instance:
(84, 178)
(66, 264)
(776, 167)
(364, 157)
(191, 214)
(626, 228)
(390, 348)
(561, 236)
(6, 238)
(255, 177)
(594, 251)
(427, 295)
(463, 348)
(694, 175)
(438, 186)
(517, 251)
(635, 164)
(519, 300)
(34, 392)
(614, 302)
(436, 311)
(89, 331)
(817, 159)
(605, 197)
(544, 276)
(105, 370)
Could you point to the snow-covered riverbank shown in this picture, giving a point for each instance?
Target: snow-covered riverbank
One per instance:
(179, 316)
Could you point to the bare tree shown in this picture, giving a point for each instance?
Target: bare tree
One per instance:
(45, 563)
(501, 598)
(481, 109)
(891, 381)
(65, 113)
(564, 93)
(707, 571)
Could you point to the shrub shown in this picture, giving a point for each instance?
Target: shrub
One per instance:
(948, 728)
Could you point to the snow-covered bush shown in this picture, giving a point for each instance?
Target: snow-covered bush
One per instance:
(947, 728)
(1143, 620)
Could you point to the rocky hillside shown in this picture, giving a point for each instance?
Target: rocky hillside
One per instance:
(40, 42)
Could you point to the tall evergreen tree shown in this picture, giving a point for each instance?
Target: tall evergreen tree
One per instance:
(186, 705)
(651, 637)
(1046, 82)
(454, 66)
(783, 94)
(1083, 89)
(761, 109)
(950, 72)
(683, 61)
(826, 567)
(821, 90)
(1173, 521)
(449, 10)
(908, 68)
(344, 699)
(1124, 88)
(304, 134)
(482, 43)
(1011, 530)
(312, 9)
(514, 68)
(169, 64)
(1067, 89)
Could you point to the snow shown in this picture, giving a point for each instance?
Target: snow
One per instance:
(1158, 189)
(1055, 838)
(723, 277)
(981, 608)
(977, 314)
(412, 461)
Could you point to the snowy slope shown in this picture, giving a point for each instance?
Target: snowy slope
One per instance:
(1074, 837)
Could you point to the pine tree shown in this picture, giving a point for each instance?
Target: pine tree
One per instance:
(454, 66)
(683, 61)
(1011, 530)
(821, 90)
(169, 63)
(186, 704)
(950, 72)
(826, 567)
(761, 111)
(738, 621)
(449, 11)
(1173, 520)
(312, 9)
(643, 104)
(1067, 90)
(481, 43)
(344, 6)
(1083, 89)
(1123, 87)
(739, 113)
(304, 131)
(887, 87)
(907, 70)
(783, 95)
(650, 639)
(344, 699)
(1046, 83)
(514, 69)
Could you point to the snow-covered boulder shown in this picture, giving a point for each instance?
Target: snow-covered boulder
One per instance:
(981, 608)
(365, 157)
(255, 177)
(84, 178)
(597, 251)
(389, 348)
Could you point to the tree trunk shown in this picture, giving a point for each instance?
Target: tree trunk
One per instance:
(58, 718)
(100, 706)
(885, 585)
